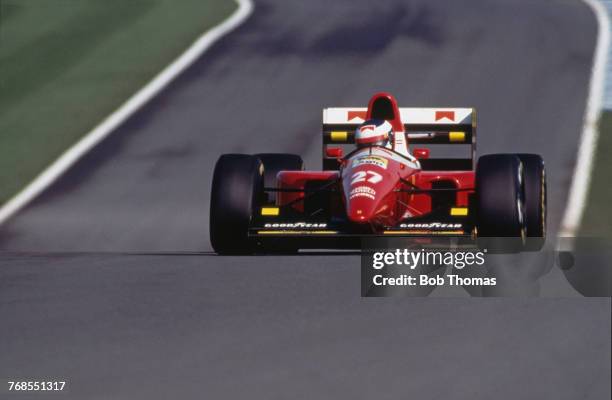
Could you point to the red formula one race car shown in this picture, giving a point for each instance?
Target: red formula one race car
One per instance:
(381, 188)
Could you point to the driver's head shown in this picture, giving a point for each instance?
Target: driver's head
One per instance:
(373, 132)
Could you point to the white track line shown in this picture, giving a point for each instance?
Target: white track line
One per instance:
(139, 99)
(576, 201)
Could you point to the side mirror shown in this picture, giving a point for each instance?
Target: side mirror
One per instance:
(334, 152)
(421, 153)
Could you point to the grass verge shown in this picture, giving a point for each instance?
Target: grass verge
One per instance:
(66, 64)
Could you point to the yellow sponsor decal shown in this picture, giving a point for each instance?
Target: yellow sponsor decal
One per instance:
(459, 211)
(339, 136)
(270, 211)
(456, 136)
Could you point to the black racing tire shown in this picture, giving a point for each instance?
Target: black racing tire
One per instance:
(500, 215)
(535, 200)
(235, 197)
(274, 163)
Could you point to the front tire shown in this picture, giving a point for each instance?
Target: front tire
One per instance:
(500, 216)
(535, 200)
(235, 197)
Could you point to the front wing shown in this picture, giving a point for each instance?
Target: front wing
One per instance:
(317, 232)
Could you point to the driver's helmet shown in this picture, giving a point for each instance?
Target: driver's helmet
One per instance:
(373, 132)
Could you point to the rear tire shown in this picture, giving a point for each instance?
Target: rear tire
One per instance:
(236, 195)
(500, 216)
(535, 200)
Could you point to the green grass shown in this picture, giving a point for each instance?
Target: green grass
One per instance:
(66, 64)
(597, 221)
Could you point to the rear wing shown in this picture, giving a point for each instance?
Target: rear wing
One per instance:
(423, 126)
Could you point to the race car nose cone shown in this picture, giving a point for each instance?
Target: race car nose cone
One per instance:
(360, 211)
(360, 216)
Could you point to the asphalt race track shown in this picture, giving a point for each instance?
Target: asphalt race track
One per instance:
(108, 280)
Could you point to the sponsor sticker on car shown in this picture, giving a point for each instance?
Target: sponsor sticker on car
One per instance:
(380, 162)
(296, 225)
(432, 225)
(363, 191)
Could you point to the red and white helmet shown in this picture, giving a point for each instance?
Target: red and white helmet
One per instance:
(373, 132)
